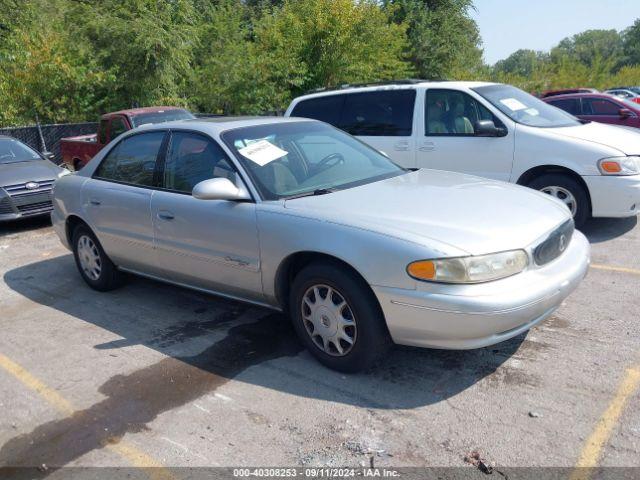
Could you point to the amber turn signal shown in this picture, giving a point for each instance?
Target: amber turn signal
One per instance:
(424, 270)
(610, 166)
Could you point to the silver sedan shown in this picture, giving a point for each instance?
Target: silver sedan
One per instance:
(297, 216)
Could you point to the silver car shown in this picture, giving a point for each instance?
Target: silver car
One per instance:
(26, 180)
(300, 217)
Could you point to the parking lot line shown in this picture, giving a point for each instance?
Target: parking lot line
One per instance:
(598, 439)
(612, 268)
(135, 457)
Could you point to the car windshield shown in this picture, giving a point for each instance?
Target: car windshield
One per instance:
(524, 108)
(161, 116)
(13, 151)
(290, 159)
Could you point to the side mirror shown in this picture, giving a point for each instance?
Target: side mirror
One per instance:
(219, 189)
(625, 113)
(486, 128)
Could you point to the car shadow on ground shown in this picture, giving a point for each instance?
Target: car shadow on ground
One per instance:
(23, 225)
(208, 341)
(599, 230)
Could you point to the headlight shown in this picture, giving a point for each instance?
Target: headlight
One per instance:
(482, 268)
(619, 166)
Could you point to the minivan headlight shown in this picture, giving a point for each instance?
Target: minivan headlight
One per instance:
(476, 269)
(620, 165)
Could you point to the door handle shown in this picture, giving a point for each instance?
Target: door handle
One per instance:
(94, 201)
(164, 215)
(427, 147)
(401, 146)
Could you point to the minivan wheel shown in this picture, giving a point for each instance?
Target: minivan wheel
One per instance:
(569, 191)
(338, 318)
(94, 265)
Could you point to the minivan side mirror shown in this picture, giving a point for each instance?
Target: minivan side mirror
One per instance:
(486, 128)
(625, 113)
(219, 189)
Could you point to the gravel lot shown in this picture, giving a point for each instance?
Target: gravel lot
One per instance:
(152, 374)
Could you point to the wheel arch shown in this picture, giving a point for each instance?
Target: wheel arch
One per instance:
(295, 262)
(72, 222)
(535, 172)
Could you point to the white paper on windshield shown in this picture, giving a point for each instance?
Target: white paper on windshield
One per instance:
(262, 152)
(513, 104)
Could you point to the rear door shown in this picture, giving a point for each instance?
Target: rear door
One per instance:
(211, 244)
(117, 200)
(382, 118)
(449, 142)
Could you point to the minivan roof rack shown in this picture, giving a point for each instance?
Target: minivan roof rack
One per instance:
(344, 86)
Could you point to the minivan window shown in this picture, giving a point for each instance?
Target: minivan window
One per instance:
(379, 113)
(193, 158)
(524, 108)
(133, 160)
(298, 158)
(326, 109)
(454, 113)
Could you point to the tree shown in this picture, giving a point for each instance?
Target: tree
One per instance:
(585, 47)
(444, 40)
(522, 62)
(631, 44)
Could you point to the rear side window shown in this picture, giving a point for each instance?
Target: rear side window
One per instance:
(326, 109)
(600, 106)
(375, 114)
(379, 114)
(133, 160)
(569, 105)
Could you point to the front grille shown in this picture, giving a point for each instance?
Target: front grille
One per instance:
(555, 244)
(5, 206)
(28, 201)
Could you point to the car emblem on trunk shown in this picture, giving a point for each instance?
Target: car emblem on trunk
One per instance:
(32, 185)
(562, 244)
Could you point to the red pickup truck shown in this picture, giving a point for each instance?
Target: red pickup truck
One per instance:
(77, 151)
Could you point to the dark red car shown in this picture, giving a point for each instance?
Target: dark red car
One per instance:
(77, 151)
(598, 107)
(564, 91)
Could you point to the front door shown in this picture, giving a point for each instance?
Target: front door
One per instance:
(448, 140)
(211, 244)
(117, 200)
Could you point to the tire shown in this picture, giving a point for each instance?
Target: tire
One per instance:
(88, 252)
(558, 185)
(361, 317)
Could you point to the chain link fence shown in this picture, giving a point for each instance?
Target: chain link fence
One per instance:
(51, 135)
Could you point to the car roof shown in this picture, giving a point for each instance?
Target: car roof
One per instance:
(217, 125)
(394, 85)
(581, 95)
(132, 112)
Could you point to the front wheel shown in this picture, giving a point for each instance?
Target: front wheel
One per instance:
(95, 267)
(569, 191)
(338, 318)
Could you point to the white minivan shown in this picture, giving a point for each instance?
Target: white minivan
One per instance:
(490, 130)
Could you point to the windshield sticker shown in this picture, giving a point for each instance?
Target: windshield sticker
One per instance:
(532, 111)
(262, 152)
(513, 104)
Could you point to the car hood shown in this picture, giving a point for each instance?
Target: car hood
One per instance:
(626, 140)
(23, 172)
(472, 214)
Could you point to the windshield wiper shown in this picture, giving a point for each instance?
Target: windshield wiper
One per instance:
(317, 191)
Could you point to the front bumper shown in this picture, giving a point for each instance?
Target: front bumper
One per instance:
(614, 196)
(474, 316)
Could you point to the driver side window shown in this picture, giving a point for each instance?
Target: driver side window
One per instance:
(454, 113)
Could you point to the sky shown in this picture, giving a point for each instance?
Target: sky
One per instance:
(509, 25)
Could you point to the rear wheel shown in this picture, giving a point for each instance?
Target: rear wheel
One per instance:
(569, 191)
(338, 318)
(93, 263)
